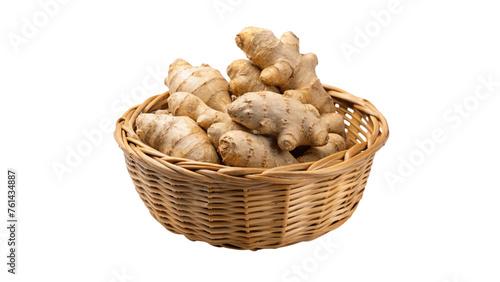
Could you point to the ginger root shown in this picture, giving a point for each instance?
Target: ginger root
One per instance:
(245, 77)
(261, 126)
(263, 149)
(161, 112)
(290, 121)
(334, 122)
(244, 149)
(336, 143)
(187, 104)
(216, 123)
(204, 81)
(216, 130)
(282, 65)
(176, 137)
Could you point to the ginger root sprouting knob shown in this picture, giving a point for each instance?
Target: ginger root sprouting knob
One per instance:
(216, 123)
(334, 122)
(244, 149)
(187, 104)
(282, 65)
(204, 81)
(290, 121)
(176, 137)
(336, 143)
(245, 77)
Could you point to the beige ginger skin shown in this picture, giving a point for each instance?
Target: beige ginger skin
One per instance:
(334, 122)
(336, 143)
(245, 77)
(187, 104)
(216, 123)
(176, 137)
(282, 65)
(291, 122)
(204, 81)
(244, 149)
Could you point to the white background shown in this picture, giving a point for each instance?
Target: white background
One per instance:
(427, 214)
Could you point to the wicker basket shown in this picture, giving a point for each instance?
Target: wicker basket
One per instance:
(254, 208)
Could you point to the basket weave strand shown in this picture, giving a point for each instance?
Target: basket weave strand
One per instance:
(255, 208)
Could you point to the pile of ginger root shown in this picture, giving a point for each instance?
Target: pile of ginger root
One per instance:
(274, 110)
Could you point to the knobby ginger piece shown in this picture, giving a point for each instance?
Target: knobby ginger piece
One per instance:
(334, 122)
(244, 149)
(216, 123)
(291, 122)
(245, 77)
(176, 137)
(204, 81)
(282, 65)
(336, 143)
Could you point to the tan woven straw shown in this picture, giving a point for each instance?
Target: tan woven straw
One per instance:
(254, 208)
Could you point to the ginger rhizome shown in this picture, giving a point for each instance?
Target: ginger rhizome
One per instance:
(273, 112)
(204, 81)
(176, 137)
(290, 121)
(216, 123)
(237, 146)
(245, 77)
(240, 148)
(334, 122)
(282, 65)
(336, 143)
(187, 104)
(244, 149)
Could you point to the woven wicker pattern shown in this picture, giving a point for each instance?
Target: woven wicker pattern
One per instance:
(253, 208)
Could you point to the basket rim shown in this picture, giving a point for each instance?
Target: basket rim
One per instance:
(131, 145)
